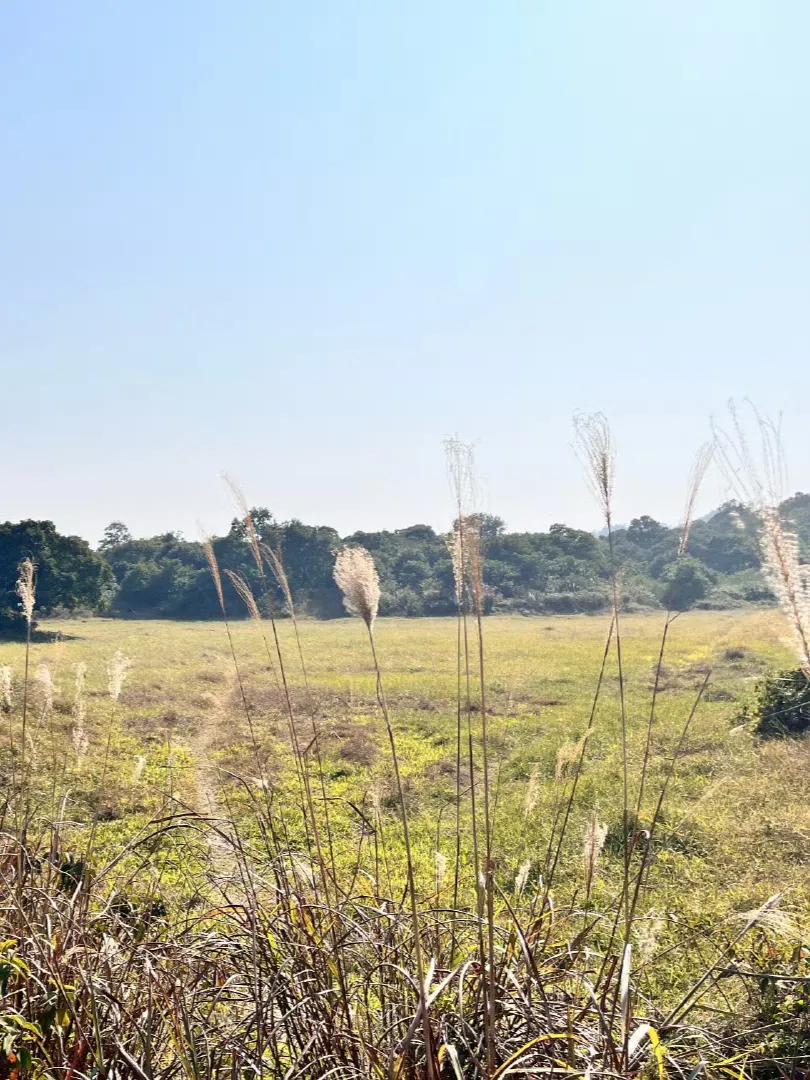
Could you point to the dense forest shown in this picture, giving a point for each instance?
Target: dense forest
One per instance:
(562, 570)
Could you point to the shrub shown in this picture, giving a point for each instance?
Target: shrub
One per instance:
(782, 705)
(687, 582)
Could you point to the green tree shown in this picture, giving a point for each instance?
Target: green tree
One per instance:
(115, 534)
(645, 531)
(69, 573)
(687, 581)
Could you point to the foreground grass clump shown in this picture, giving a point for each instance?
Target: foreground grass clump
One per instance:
(782, 705)
(185, 894)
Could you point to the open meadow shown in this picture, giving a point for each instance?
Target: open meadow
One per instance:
(192, 775)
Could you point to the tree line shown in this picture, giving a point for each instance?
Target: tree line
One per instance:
(563, 570)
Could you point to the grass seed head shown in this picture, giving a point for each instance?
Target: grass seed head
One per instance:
(6, 680)
(26, 589)
(356, 577)
(245, 594)
(117, 671)
(594, 444)
(44, 684)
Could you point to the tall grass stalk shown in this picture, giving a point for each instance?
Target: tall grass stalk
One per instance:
(357, 579)
(596, 448)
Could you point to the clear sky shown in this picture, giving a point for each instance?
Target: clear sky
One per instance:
(303, 242)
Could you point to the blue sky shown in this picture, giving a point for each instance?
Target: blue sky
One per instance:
(302, 243)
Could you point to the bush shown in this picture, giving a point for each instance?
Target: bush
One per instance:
(686, 582)
(782, 705)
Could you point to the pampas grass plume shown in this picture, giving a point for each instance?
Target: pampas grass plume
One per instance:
(26, 589)
(356, 577)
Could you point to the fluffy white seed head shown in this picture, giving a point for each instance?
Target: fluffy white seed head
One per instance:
(44, 684)
(78, 734)
(755, 468)
(213, 566)
(6, 681)
(532, 791)
(275, 561)
(245, 594)
(699, 469)
(594, 444)
(455, 545)
(788, 578)
(117, 671)
(26, 589)
(522, 877)
(80, 679)
(357, 578)
(247, 519)
(595, 836)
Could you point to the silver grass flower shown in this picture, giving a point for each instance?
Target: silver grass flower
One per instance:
(247, 519)
(595, 836)
(276, 564)
(117, 671)
(26, 589)
(79, 736)
(44, 683)
(213, 566)
(759, 480)
(532, 791)
(699, 469)
(594, 444)
(356, 577)
(455, 545)
(5, 688)
(522, 877)
(245, 594)
(769, 916)
(788, 578)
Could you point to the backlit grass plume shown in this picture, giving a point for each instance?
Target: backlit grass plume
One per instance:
(700, 467)
(595, 836)
(245, 594)
(357, 578)
(594, 444)
(117, 671)
(788, 578)
(758, 478)
(26, 589)
(79, 736)
(6, 678)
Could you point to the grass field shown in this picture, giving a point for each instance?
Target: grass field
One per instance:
(737, 812)
(735, 827)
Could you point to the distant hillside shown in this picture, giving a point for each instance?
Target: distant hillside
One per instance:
(562, 570)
